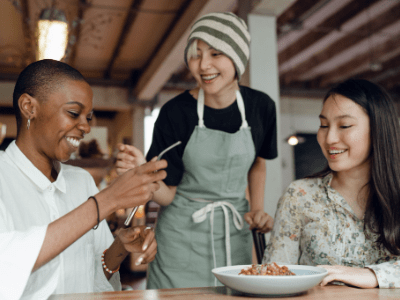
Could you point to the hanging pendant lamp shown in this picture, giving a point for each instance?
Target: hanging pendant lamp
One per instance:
(52, 34)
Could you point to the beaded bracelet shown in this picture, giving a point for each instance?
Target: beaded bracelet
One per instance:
(104, 264)
(98, 212)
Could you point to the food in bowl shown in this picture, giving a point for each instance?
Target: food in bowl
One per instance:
(267, 269)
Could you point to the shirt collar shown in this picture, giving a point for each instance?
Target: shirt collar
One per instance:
(33, 173)
(326, 181)
(334, 195)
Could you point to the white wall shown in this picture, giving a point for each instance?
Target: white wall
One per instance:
(263, 67)
(297, 115)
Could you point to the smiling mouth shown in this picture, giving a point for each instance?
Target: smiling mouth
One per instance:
(334, 152)
(208, 78)
(73, 141)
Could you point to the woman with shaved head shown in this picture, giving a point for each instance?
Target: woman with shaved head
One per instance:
(48, 209)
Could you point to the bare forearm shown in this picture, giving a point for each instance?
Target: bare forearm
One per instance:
(165, 194)
(256, 177)
(66, 230)
(115, 256)
(361, 277)
(133, 188)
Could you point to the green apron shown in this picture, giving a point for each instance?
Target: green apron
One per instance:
(213, 187)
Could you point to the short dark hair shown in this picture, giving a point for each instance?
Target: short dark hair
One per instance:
(39, 78)
(383, 204)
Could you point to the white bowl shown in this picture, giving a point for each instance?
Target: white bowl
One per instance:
(306, 277)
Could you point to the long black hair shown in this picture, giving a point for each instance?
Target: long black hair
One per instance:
(383, 203)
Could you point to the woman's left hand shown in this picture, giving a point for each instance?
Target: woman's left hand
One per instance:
(128, 157)
(139, 239)
(259, 219)
(360, 277)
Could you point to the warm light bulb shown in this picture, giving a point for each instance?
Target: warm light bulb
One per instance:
(293, 140)
(140, 212)
(3, 130)
(52, 39)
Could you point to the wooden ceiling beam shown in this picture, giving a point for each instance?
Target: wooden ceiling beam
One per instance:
(347, 70)
(130, 19)
(386, 66)
(330, 24)
(294, 13)
(392, 81)
(389, 79)
(175, 31)
(349, 40)
(270, 7)
(28, 35)
(164, 38)
(76, 32)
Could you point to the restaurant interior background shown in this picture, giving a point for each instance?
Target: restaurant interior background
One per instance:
(131, 52)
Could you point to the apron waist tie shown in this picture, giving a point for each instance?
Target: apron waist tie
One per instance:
(201, 214)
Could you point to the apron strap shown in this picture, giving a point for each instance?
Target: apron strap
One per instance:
(200, 108)
(241, 109)
(201, 214)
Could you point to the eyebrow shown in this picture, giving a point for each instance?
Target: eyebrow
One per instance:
(76, 102)
(338, 117)
(81, 105)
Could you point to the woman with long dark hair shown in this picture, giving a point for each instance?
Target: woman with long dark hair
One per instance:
(346, 217)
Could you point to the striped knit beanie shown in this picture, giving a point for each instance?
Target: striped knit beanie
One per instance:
(224, 32)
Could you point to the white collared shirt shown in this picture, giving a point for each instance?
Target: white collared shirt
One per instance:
(29, 201)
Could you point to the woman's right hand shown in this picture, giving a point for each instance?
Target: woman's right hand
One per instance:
(135, 186)
(140, 240)
(128, 157)
(260, 220)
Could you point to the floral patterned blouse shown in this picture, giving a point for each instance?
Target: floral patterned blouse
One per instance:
(314, 225)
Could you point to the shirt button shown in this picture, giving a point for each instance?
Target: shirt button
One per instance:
(51, 188)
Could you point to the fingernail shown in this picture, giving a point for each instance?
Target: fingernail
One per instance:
(144, 247)
(139, 261)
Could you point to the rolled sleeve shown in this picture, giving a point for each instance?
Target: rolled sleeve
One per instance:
(388, 273)
(18, 254)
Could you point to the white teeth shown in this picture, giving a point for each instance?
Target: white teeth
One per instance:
(209, 77)
(336, 151)
(73, 142)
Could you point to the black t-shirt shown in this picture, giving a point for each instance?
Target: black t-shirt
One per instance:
(178, 118)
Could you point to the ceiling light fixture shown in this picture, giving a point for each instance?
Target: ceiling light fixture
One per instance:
(3, 130)
(52, 34)
(295, 139)
(375, 66)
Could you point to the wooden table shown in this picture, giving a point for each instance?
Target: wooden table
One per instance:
(210, 293)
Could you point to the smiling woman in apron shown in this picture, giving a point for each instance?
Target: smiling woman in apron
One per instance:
(227, 132)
